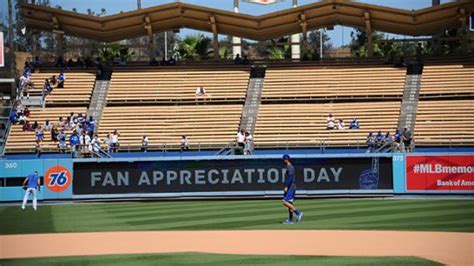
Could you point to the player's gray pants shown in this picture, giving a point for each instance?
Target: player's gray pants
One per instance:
(25, 198)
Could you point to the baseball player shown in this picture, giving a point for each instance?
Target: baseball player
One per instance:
(33, 182)
(290, 192)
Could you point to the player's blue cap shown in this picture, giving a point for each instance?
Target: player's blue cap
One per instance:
(286, 157)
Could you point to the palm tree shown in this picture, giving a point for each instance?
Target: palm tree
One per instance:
(194, 47)
(74, 9)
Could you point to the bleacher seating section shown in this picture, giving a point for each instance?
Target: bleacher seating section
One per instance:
(447, 80)
(304, 125)
(447, 122)
(178, 85)
(19, 141)
(205, 126)
(295, 104)
(333, 82)
(77, 88)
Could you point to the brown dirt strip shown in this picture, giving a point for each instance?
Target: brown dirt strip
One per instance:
(444, 247)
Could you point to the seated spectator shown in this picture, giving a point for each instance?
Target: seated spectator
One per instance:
(114, 141)
(387, 140)
(245, 60)
(35, 125)
(248, 144)
(237, 59)
(60, 62)
(80, 118)
(53, 80)
(354, 124)
(88, 62)
(340, 125)
(330, 122)
(80, 63)
(144, 146)
(47, 89)
(163, 61)
(61, 79)
(61, 122)
(36, 62)
(379, 140)
(370, 143)
(39, 134)
(184, 143)
(22, 119)
(47, 126)
(54, 134)
(27, 112)
(172, 61)
(70, 63)
(117, 60)
(27, 127)
(13, 117)
(62, 145)
(154, 62)
(200, 91)
(397, 141)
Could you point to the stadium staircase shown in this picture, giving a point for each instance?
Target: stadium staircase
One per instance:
(253, 99)
(411, 94)
(98, 100)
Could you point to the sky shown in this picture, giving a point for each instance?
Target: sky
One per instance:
(339, 36)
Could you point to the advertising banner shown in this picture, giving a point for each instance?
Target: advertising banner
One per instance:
(440, 173)
(230, 175)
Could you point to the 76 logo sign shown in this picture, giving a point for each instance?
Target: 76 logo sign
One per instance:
(58, 178)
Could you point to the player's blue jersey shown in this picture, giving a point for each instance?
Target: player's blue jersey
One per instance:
(290, 177)
(32, 180)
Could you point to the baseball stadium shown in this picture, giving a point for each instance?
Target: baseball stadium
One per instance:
(236, 132)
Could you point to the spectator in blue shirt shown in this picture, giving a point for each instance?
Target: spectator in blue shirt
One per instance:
(13, 117)
(74, 141)
(379, 140)
(91, 126)
(387, 140)
(62, 145)
(397, 140)
(354, 124)
(61, 79)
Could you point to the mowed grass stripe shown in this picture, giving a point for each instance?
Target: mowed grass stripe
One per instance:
(205, 259)
(139, 212)
(245, 214)
(231, 212)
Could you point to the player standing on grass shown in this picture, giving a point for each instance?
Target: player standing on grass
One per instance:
(33, 181)
(290, 192)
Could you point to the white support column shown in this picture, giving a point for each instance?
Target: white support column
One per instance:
(236, 41)
(295, 40)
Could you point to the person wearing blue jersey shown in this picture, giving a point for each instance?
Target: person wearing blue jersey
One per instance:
(32, 184)
(74, 141)
(289, 192)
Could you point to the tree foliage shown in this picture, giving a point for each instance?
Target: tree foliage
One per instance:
(195, 47)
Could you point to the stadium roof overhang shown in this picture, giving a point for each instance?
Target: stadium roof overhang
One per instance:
(291, 21)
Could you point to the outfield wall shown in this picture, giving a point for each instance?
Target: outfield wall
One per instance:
(239, 176)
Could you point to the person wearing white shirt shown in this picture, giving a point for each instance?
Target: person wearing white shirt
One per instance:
(85, 142)
(144, 143)
(114, 141)
(200, 91)
(240, 142)
(340, 125)
(330, 122)
(184, 144)
(248, 143)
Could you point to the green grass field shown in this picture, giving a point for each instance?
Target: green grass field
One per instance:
(367, 214)
(216, 259)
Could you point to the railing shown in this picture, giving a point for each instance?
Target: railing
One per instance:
(7, 129)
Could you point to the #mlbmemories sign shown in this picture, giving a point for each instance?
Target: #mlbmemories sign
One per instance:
(230, 175)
